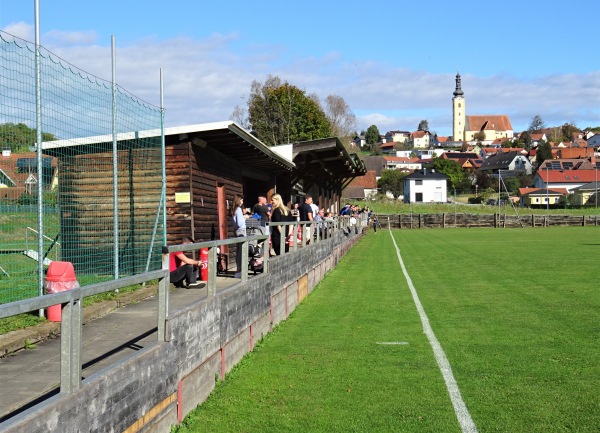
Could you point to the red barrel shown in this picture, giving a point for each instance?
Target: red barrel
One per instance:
(60, 277)
(203, 264)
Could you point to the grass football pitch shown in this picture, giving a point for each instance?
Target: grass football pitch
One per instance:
(516, 312)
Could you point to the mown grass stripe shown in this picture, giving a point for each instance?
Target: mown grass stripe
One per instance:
(460, 408)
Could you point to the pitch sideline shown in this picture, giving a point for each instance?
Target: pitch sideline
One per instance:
(460, 409)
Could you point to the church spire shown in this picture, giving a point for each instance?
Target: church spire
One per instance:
(458, 91)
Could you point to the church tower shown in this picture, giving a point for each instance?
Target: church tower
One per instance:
(458, 112)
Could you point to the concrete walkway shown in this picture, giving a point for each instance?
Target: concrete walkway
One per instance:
(111, 332)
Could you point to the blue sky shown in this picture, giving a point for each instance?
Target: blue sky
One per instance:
(393, 62)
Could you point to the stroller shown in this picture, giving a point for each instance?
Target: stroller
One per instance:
(256, 249)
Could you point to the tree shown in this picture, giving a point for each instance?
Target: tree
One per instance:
(555, 135)
(450, 168)
(536, 125)
(340, 116)
(525, 139)
(483, 180)
(20, 137)
(423, 125)
(239, 115)
(543, 152)
(372, 135)
(567, 130)
(392, 181)
(479, 136)
(282, 113)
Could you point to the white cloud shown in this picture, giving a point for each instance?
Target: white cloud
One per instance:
(61, 38)
(204, 79)
(21, 30)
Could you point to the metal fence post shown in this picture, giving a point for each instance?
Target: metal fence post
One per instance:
(212, 272)
(163, 302)
(70, 346)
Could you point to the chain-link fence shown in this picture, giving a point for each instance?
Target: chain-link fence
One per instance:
(102, 165)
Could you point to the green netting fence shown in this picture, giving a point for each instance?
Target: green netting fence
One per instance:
(86, 122)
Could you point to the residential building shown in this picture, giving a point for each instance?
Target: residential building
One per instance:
(362, 187)
(586, 195)
(567, 164)
(18, 174)
(397, 136)
(400, 163)
(425, 186)
(509, 164)
(387, 148)
(573, 152)
(594, 141)
(540, 197)
(420, 139)
(568, 179)
(360, 141)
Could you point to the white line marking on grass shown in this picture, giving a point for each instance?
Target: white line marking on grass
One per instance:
(462, 413)
(392, 343)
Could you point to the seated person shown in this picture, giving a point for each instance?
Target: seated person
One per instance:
(183, 268)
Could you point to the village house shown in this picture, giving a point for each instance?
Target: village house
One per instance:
(586, 195)
(568, 179)
(420, 140)
(400, 163)
(508, 164)
(566, 164)
(466, 160)
(18, 174)
(387, 148)
(397, 136)
(541, 197)
(594, 141)
(425, 186)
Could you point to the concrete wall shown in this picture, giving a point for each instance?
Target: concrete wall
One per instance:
(156, 388)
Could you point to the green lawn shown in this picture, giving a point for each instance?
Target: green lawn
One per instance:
(515, 310)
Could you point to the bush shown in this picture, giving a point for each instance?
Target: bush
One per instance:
(27, 198)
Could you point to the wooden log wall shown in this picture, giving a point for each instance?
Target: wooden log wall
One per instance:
(199, 172)
(86, 210)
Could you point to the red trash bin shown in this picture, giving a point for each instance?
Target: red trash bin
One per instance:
(60, 277)
(203, 264)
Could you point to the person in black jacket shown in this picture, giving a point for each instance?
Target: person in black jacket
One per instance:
(280, 214)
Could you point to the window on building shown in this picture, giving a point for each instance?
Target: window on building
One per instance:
(419, 182)
(419, 197)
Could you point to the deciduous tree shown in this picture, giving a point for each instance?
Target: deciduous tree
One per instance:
(340, 116)
(282, 113)
(450, 168)
(423, 125)
(479, 136)
(372, 135)
(392, 181)
(568, 129)
(537, 124)
(20, 137)
(543, 152)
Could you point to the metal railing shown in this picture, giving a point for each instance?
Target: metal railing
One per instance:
(72, 318)
(71, 301)
(213, 247)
